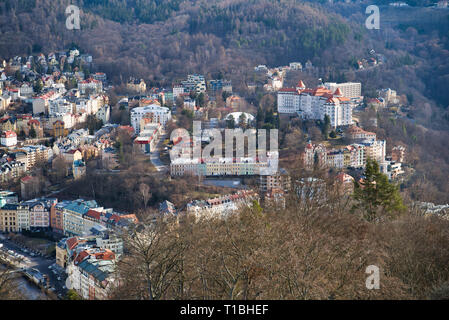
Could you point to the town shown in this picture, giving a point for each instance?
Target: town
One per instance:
(61, 122)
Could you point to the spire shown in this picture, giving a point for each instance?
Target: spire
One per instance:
(338, 92)
(300, 85)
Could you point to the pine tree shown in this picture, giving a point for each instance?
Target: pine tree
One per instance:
(33, 132)
(326, 126)
(375, 192)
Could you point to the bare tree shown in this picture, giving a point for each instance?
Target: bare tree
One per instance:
(144, 190)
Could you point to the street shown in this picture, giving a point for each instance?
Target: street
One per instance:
(155, 155)
(40, 263)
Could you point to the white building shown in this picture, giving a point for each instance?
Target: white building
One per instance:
(104, 114)
(60, 106)
(111, 242)
(8, 138)
(222, 206)
(178, 90)
(41, 103)
(26, 90)
(295, 65)
(156, 113)
(348, 89)
(315, 104)
(90, 84)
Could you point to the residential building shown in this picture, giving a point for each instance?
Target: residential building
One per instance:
(137, 85)
(74, 216)
(358, 134)
(223, 166)
(92, 278)
(157, 113)
(12, 170)
(41, 103)
(104, 114)
(39, 210)
(110, 241)
(9, 221)
(222, 206)
(296, 66)
(166, 208)
(194, 82)
(148, 138)
(29, 187)
(90, 86)
(8, 197)
(279, 181)
(348, 89)
(398, 153)
(8, 138)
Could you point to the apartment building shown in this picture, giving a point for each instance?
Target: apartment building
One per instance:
(156, 113)
(279, 181)
(358, 134)
(194, 82)
(222, 167)
(222, 206)
(354, 155)
(74, 212)
(348, 89)
(95, 86)
(12, 170)
(41, 103)
(9, 221)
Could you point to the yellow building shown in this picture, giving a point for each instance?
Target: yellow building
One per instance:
(9, 222)
(59, 129)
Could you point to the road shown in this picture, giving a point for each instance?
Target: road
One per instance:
(155, 155)
(40, 263)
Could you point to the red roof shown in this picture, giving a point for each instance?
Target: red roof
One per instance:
(9, 134)
(26, 178)
(34, 121)
(94, 214)
(72, 243)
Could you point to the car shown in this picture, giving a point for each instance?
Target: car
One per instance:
(59, 278)
(32, 254)
(49, 267)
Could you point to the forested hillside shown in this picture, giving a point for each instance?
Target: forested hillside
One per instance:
(160, 40)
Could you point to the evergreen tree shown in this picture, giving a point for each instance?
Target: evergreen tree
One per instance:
(242, 120)
(37, 87)
(376, 193)
(33, 133)
(326, 126)
(230, 122)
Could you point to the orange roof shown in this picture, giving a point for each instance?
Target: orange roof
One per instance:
(338, 92)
